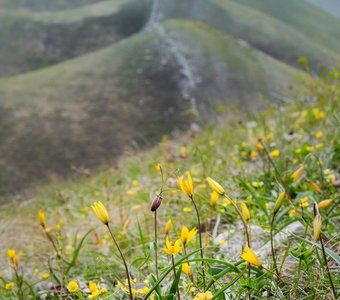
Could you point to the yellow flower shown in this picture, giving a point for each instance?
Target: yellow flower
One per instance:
(135, 183)
(172, 249)
(249, 256)
(11, 253)
(46, 276)
(101, 212)
(58, 227)
(222, 242)
(298, 173)
(42, 218)
(93, 287)
(215, 186)
(73, 286)
(186, 235)
(292, 212)
(214, 199)
(253, 154)
(319, 134)
(186, 269)
(325, 203)
(143, 291)
(319, 146)
(158, 167)
(279, 202)
(320, 115)
(186, 186)
(245, 211)
(9, 285)
(274, 153)
(314, 186)
(204, 296)
(259, 147)
(168, 227)
(317, 227)
(187, 209)
(304, 201)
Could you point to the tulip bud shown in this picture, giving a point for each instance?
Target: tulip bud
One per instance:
(215, 186)
(156, 202)
(325, 203)
(279, 202)
(317, 227)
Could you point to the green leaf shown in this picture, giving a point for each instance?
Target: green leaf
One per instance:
(173, 287)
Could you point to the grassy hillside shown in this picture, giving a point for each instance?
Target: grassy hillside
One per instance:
(306, 132)
(45, 5)
(98, 104)
(331, 6)
(302, 16)
(30, 40)
(262, 29)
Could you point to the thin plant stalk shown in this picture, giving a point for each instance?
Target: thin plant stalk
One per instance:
(124, 261)
(327, 268)
(156, 245)
(174, 268)
(200, 237)
(272, 247)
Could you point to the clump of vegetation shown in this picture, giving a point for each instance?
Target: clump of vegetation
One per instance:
(255, 216)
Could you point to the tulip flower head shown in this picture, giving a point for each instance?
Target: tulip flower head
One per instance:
(101, 212)
(317, 227)
(186, 186)
(249, 256)
(186, 235)
(245, 211)
(168, 227)
(215, 186)
(279, 202)
(325, 203)
(204, 296)
(186, 269)
(298, 173)
(42, 219)
(73, 286)
(172, 249)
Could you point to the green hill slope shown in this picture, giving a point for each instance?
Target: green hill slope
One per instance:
(30, 40)
(304, 17)
(87, 110)
(261, 29)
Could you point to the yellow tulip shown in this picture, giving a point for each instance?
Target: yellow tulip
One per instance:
(298, 173)
(11, 253)
(186, 269)
(215, 186)
(325, 203)
(172, 249)
(168, 227)
(186, 186)
(42, 218)
(274, 153)
(279, 202)
(214, 199)
(204, 296)
(73, 286)
(317, 227)
(186, 235)
(249, 256)
(245, 211)
(101, 212)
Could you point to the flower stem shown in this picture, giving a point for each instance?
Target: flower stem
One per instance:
(124, 261)
(272, 247)
(155, 245)
(200, 237)
(327, 268)
(174, 268)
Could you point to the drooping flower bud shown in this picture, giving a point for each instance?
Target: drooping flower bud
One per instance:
(156, 202)
(317, 227)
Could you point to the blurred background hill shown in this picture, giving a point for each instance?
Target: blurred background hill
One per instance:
(81, 81)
